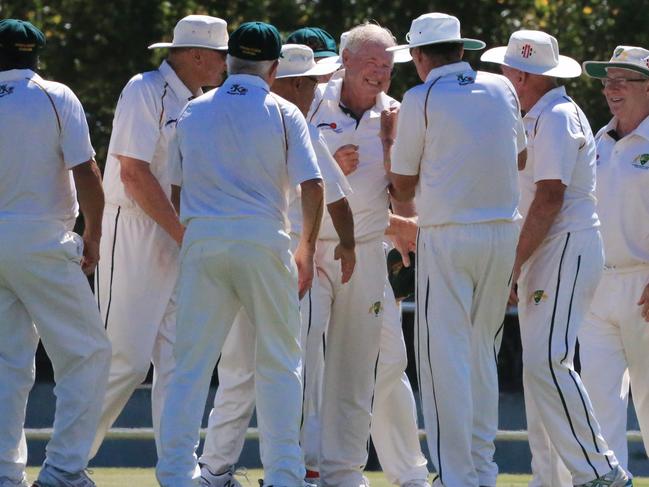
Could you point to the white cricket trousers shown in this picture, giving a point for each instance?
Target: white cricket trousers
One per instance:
(463, 276)
(351, 358)
(614, 353)
(134, 285)
(555, 289)
(43, 293)
(217, 278)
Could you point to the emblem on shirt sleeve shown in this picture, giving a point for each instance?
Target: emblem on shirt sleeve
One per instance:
(331, 126)
(6, 90)
(641, 162)
(237, 90)
(539, 296)
(465, 79)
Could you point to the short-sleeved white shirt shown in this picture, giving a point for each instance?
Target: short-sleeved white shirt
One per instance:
(560, 145)
(149, 102)
(370, 200)
(461, 132)
(336, 186)
(44, 135)
(236, 152)
(623, 194)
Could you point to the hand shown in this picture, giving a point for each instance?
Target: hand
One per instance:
(347, 257)
(403, 233)
(347, 158)
(389, 120)
(90, 257)
(644, 302)
(305, 266)
(179, 235)
(513, 292)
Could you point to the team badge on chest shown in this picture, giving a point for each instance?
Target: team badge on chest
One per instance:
(641, 162)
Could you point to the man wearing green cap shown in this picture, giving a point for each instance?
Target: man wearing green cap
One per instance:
(319, 40)
(45, 152)
(236, 153)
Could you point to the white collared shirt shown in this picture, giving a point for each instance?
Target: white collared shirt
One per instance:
(336, 186)
(369, 201)
(44, 135)
(236, 153)
(623, 194)
(461, 132)
(560, 145)
(149, 102)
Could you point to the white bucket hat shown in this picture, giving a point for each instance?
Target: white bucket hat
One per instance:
(399, 56)
(198, 31)
(625, 57)
(436, 28)
(297, 60)
(535, 52)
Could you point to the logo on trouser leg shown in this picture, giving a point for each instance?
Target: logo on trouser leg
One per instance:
(376, 308)
(538, 296)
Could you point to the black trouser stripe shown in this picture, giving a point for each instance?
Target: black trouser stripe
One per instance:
(432, 380)
(97, 295)
(500, 329)
(554, 377)
(308, 330)
(367, 443)
(417, 338)
(112, 268)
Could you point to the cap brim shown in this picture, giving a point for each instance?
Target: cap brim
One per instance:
(159, 45)
(324, 54)
(320, 69)
(597, 69)
(567, 67)
(469, 44)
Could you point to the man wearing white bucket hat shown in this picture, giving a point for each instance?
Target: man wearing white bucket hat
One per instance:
(136, 276)
(234, 402)
(459, 137)
(615, 337)
(558, 261)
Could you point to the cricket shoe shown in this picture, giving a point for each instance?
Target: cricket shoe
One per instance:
(416, 483)
(50, 476)
(7, 482)
(615, 478)
(305, 484)
(225, 479)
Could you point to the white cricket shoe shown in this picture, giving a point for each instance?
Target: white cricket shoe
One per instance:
(50, 476)
(225, 479)
(416, 483)
(615, 478)
(7, 482)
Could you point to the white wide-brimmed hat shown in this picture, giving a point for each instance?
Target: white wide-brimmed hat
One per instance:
(399, 56)
(198, 31)
(297, 60)
(624, 57)
(535, 52)
(436, 28)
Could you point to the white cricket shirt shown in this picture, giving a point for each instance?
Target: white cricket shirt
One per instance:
(369, 200)
(623, 194)
(336, 186)
(560, 145)
(461, 131)
(236, 153)
(44, 135)
(149, 102)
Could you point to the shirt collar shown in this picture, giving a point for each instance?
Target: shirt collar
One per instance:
(458, 67)
(248, 79)
(641, 130)
(14, 74)
(172, 79)
(545, 100)
(334, 89)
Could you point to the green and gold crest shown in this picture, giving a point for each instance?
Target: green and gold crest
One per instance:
(539, 296)
(641, 160)
(376, 308)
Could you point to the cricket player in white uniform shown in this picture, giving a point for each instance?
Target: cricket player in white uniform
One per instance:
(240, 150)
(614, 339)
(46, 164)
(348, 114)
(559, 260)
(136, 277)
(296, 80)
(458, 140)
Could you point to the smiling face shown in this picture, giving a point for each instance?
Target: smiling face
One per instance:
(368, 70)
(626, 98)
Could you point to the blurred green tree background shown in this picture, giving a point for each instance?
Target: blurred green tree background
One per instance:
(96, 46)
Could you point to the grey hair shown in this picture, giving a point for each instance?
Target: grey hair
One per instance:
(245, 66)
(369, 32)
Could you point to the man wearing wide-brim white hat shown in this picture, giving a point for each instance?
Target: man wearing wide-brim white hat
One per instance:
(459, 139)
(616, 325)
(559, 261)
(136, 276)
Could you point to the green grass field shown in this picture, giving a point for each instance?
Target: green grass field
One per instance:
(144, 477)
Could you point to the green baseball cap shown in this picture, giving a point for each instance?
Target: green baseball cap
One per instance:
(255, 41)
(20, 37)
(321, 41)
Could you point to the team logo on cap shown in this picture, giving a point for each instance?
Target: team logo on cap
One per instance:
(376, 308)
(332, 126)
(237, 90)
(527, 51)
(641, 162)
(538, 296)
(6, 90)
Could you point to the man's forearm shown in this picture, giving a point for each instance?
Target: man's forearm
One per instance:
(537, 224)
(90, 194)
(343, 221)
(312, 208)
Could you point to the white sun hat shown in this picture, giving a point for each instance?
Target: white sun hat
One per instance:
(535, 52)
(297, 60)
(399, 56)
(436, 28)
(198, 31)
(624, 57)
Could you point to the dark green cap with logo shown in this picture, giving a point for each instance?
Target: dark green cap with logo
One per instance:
(255, 41)
(321, 41)
(19, 37)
